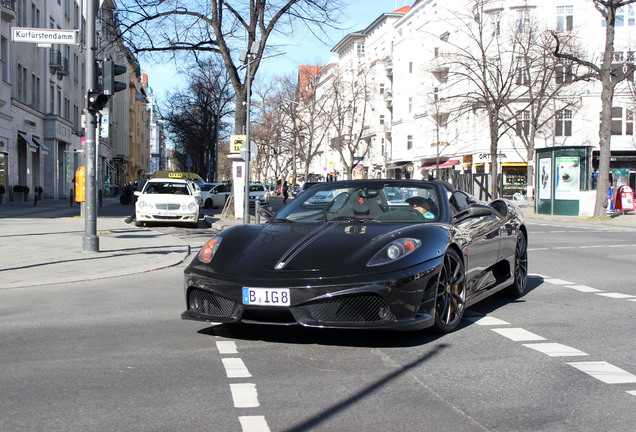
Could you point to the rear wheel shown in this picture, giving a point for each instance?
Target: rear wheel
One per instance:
(520, 284)
(451, 293)
(208, 203)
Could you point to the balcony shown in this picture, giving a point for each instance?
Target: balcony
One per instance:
(55, 60)
(388, 67)
(8, 10)
(388, 98)
(63, 69)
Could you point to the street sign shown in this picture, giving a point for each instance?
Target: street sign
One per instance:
(44, 36)
(253, 151)
(236, 143)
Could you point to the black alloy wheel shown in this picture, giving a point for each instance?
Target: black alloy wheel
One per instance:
(520, 283)
(451, 293)
(208, 203)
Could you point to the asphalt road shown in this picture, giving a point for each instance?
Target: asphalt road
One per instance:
(114, 355)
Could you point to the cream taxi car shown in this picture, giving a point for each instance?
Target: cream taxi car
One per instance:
(168, 200)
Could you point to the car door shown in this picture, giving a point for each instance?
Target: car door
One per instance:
(482, 234)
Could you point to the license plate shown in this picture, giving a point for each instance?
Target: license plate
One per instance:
(266, 296)
(167, 213)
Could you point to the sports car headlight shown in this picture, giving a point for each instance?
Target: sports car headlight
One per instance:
(394, 251)
(208, 251)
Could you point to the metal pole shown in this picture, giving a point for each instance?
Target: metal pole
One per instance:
(90, 240)
(246, 210)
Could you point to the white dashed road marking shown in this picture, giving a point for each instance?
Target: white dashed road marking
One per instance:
(605, 372)
(518, 334)
(254, 424)
(555, 349)
(235, 368)
(226, 347)
(557, 282)
(486, 320)
(583, 288)
(244, 395)
(615, 295)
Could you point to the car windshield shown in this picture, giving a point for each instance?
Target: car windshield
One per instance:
(373, 201)
(166, 187)
(257, 188)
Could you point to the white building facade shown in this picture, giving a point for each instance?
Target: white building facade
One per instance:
(418, 120)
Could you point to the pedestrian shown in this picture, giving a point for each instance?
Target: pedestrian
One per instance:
(285, 193)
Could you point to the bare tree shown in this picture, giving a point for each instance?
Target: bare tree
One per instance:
(194, 115)
(348, 95)
(609, 74)
(482, 72)
(221, 27)
(545, 84)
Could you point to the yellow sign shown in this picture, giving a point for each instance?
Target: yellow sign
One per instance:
(237, 143)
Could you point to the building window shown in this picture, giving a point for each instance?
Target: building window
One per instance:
(67, 109)
(381, 88)
(21, 84)
(410, 105)
(523, 123)
(360, 48)
(495, 22)
(521, 73)
(565, 18)
(409, 142)
(58, 111)
(436, 94)
(563, 123)
(52, 99)
(410, 67)
(523, 21)
(620, 116)
(382, 120)
(563, 72)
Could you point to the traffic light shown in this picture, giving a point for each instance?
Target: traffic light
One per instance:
(111, 70)
(96, 100)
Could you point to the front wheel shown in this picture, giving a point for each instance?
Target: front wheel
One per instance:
(451, 293)
(520, 283)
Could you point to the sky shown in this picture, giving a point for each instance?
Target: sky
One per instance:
(301, 49)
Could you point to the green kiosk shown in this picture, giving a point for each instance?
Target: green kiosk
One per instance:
(561, 180)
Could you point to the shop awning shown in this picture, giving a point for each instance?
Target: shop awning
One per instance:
(32, 146)
(514, 164)
(399, 164)
(447, 164)
(44, 148)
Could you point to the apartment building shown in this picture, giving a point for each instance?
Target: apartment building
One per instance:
(42, 98)
(417, 124)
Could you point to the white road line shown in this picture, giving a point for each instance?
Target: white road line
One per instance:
(616, 295)
(558, 282)
(583, 288)
(518, 334)
(555, 349)
(253, 424)
(632, 299)
(235, 368)
(486, 320)
(537, 249)
(226, 347)
(605, 372)
(632, 392)
(565, 247)
(244, 395)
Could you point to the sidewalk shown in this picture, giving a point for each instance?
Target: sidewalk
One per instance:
(42, 244)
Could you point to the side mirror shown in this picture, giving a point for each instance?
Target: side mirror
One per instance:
(197, 194)
(266, 213)
(137, 193)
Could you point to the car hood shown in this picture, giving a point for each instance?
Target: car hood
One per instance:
(327, 249)
(166, 199)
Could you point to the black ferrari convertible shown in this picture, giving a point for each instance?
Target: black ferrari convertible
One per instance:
(389, 254)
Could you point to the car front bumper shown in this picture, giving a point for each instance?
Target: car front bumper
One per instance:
(404, 301)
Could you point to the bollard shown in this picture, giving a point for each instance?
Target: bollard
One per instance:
(71, 195)
(35, 197)
(257, 205)
(99, 197)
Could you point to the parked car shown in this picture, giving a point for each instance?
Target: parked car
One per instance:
(168, 200)
(215, 195)
(369, 257)
(258, 191)
(309, 184)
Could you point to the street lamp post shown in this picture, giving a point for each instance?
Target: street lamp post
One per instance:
(247, 59)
